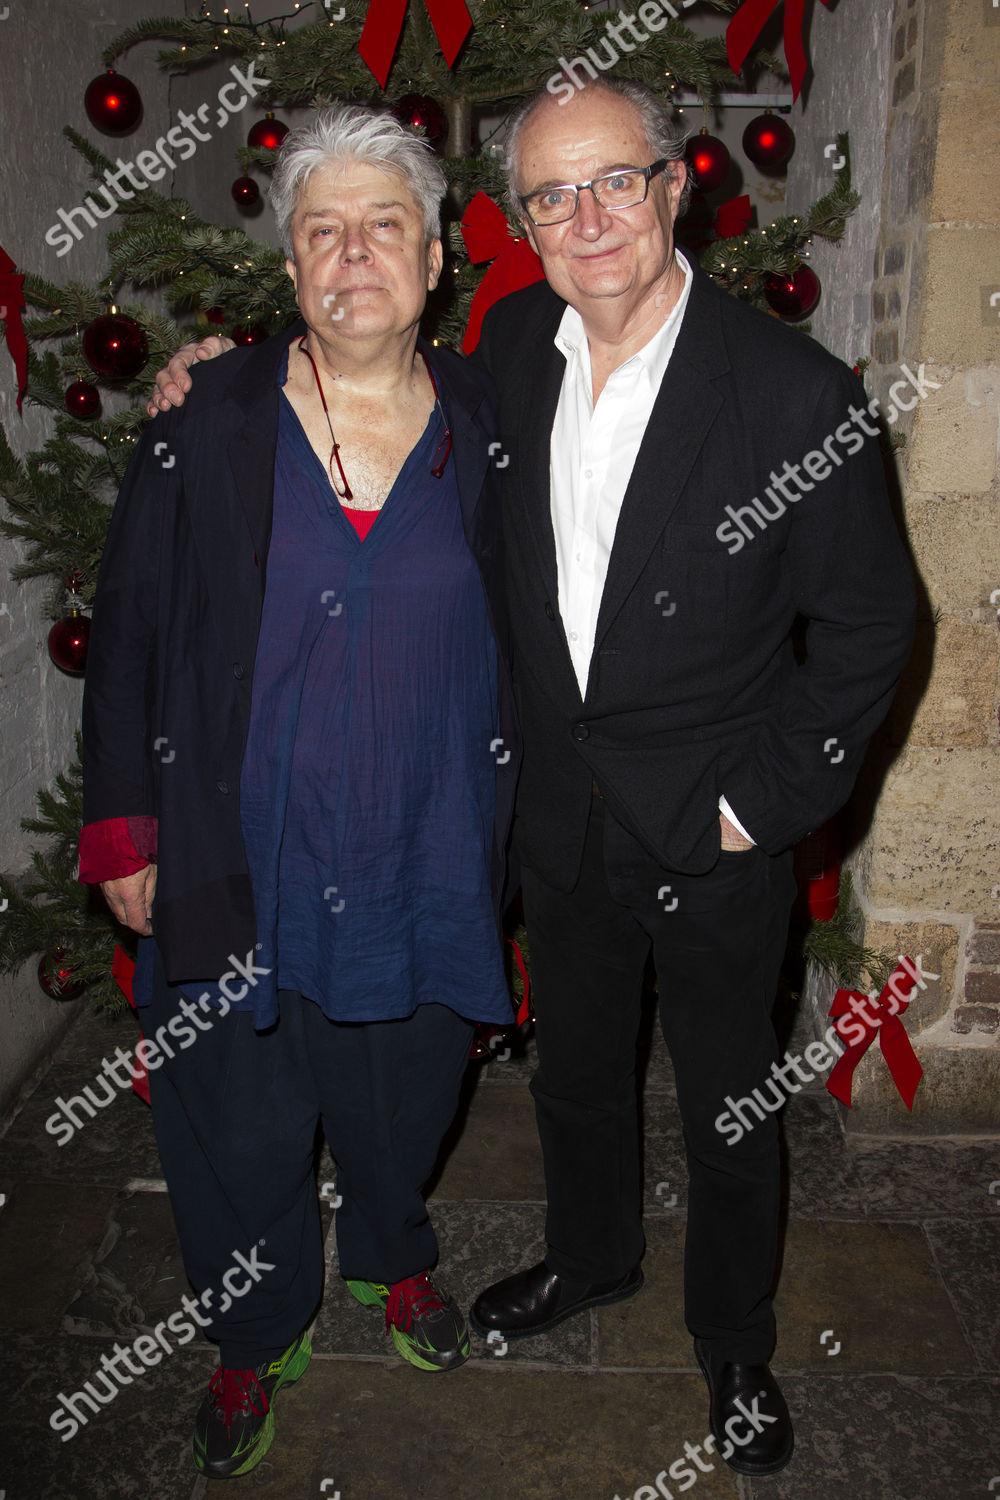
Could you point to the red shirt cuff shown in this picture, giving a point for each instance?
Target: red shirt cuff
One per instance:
(115, 847)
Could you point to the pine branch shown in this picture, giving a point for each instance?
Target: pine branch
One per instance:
(48, 909)
(835, 946)
(741, 264)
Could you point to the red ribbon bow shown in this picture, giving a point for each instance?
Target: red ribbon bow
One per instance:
(732, 218)
(384, 22)
(747, 25)
(123, 968)
(879, 1016)
(524, 1009)
(11, 303)
(515, 264)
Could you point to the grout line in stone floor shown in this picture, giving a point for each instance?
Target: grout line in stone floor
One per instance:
(956, 1309)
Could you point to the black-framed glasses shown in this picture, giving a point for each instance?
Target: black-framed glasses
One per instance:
(625, 188)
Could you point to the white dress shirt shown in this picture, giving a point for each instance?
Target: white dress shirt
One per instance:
(592, 453)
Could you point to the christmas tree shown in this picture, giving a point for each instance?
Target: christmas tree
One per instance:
(88, 343)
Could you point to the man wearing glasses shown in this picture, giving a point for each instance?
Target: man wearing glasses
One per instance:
(673, 750)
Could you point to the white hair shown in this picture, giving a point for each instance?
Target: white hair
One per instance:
(354, 132)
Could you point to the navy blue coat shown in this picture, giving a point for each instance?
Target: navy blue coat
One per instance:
(166, 704)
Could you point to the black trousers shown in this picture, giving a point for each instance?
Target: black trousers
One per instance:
(235, 1118)
(717, 943)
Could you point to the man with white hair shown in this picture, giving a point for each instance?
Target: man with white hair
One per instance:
(299, 764)
(674, 750)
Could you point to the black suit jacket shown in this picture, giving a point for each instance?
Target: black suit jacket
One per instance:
(180, 591)
(694, 690)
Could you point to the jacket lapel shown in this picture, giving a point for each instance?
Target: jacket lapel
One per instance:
(685, 408)
(252, 447)
(540, 396)
(470, 439)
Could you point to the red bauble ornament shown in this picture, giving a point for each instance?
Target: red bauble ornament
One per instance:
(115, 346)
(113, 103)
(59, 985)
(420, 112)
(709, 159)
(69, 639)
(255, 334)
(793, 296)
(267, 133)
(245, 191)
(82, 399)
(215, 314)
(768, 142)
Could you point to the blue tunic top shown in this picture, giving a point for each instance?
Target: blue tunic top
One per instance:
(368, 782)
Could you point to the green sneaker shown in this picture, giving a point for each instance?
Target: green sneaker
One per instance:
(427, 1329)
(235, 1422)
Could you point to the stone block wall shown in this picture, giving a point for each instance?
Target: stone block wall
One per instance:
(928, 805)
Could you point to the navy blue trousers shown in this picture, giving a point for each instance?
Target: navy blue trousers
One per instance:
(235, 1116)
(717, 943)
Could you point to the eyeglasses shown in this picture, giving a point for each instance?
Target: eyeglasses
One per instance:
(624, 189)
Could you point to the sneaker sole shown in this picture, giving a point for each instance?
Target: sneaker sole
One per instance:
(296, 1368)
(570, 1312)
(368, 1297)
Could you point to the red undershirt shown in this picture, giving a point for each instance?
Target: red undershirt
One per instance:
(361, 520)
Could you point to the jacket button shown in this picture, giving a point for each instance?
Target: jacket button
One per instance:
(550, 612)
(581, 732)
(237, 669)
(223, 786)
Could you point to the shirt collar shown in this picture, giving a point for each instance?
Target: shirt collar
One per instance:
(571, 338)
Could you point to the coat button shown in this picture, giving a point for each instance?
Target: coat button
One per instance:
(581, 732)
(237, 669)
(550, 612)
(223, 786)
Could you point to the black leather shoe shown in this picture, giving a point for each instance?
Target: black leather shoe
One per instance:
(536, 1300)
(747, 1414)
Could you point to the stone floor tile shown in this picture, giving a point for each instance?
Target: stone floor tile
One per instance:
(514, 1057)
(114, 1146)
(888, 1438)
(47, 1232)
(819, 1173)
(664, 1162)
(877, 1288)
(492, 1150)
(967, 1252)
(138, 1445)
(136, 1275)
(655, 1067)
(95, 1034)
(928, 1179)
(648, 1330)
(376, 1433)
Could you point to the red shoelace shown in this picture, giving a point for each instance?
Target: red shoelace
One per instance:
(233, 1394)
(417, 1295)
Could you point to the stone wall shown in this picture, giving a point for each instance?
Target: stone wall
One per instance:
(928, 804)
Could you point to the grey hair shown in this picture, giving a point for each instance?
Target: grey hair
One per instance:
(354, 132)
(663, 136)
